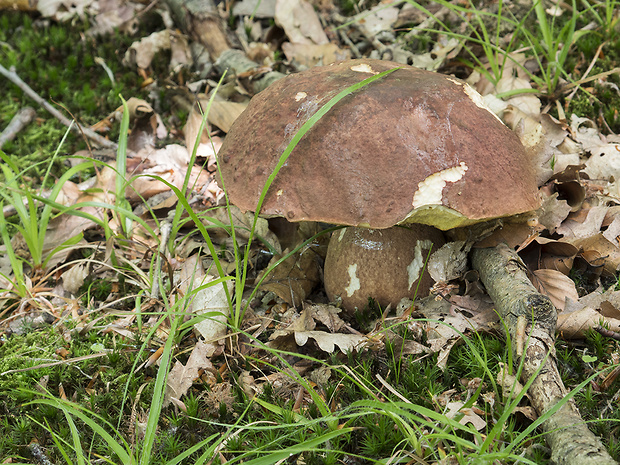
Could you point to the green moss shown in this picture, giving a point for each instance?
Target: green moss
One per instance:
(96, 382)
(57, 62)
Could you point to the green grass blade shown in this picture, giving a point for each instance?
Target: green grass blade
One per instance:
(96, 425)
(310, 444)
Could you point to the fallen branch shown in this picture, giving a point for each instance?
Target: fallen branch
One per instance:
(530, 318)
(89, 133)
(21, 119)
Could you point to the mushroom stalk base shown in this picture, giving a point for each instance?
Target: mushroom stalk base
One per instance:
(518, 302)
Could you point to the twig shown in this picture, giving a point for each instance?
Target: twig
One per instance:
(505, 278)
(12, 76)
(585, 74)
(21, 119)
(427, 24)
(59, 362)
(607, 332)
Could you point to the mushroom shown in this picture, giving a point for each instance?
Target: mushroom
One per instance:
(385, 264)
(412, 147)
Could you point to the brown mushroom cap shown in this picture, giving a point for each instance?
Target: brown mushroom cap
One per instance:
(413, 146)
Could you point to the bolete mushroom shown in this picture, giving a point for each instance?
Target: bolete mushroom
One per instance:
(385, 264)
(412, 147)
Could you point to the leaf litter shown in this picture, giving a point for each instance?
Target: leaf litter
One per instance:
(578, 225)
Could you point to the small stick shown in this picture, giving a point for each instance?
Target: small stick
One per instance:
(15, 79)
(21, 119)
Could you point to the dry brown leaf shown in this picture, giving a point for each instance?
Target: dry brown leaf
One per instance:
(580, 227)
(294, 278)
(210, 302)
(483, 317)
(223, 113)
(553, 212)
(291, 322)
(556, 285)
(309, 55)
(171, 164)
(574, 325)
(120, 15)
(605, 249)
(509, 383)
(63, 228)
(66, 9)
(74, 277)
(255, 8)
(300, 22)
(604, 161)
(328, 315)
(328, 341)
(512, 234)
(301, 328)
(449, 262)
(378, 19)
(556, 255)
(612, 233)
(443, 50)
(142, 52)
(469, 416)
(181, 376)
(609, 310)
(213, 304)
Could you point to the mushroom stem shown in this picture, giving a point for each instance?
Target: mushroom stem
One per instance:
(385, 264)
(503, 274)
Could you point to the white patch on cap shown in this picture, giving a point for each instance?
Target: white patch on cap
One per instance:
(430, 191)
(300, 96)
(363, 68)
(354, 282)
(474, 96)
(414, 270)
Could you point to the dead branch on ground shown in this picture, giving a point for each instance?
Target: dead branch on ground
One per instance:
(517, 301)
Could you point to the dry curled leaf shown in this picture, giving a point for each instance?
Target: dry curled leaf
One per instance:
(294, 278)
(556, 285)
(181, 376)
(574, 325)
(328, 341)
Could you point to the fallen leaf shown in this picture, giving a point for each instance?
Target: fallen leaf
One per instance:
(142, 52)
(309, 55)
(74, 277)
(255, 8)
(604, 248)
(612, 233)
(181, 377)
(469, 416)
(556, 285)
(378, 19)
(210, 302)
(300, 22)
(328, 315)
(588, 227)
(223, 113)
(511, 387)
(328, 341)
(574, 325)
(449, 262)
(294, 278)
(553, 212)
